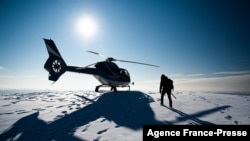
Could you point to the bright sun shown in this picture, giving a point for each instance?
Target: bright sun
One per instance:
(86, 27)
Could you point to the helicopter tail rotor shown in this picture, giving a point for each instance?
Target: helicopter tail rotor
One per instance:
(55, 64)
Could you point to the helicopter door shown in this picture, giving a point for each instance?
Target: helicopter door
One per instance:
(108, 67)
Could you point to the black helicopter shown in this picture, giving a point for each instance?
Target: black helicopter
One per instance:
(107, 72)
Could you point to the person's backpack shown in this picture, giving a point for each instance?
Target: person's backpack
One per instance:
(171, 83)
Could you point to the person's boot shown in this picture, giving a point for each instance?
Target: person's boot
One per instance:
(162, 103)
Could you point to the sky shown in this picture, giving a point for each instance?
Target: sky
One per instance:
(201, 45)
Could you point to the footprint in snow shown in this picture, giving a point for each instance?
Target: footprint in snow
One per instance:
(236, 122)
(86, 128)
(102, 131)
(228, 117)
(103, 120)
(64, 112)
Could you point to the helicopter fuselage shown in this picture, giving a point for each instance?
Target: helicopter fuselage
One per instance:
(107, 73)
(111, 74)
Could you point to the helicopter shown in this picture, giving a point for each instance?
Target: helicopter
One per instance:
(106, 72)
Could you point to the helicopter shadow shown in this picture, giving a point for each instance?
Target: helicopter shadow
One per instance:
(129, 109)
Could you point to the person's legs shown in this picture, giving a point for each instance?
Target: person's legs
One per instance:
(162, 97)
(169, 98)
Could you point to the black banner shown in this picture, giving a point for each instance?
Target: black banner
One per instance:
(162, 132)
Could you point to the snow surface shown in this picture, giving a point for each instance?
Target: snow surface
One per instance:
(112, 116)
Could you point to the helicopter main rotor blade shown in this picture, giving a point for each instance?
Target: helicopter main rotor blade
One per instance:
(110, 59)
(137, 63)
(97, 54)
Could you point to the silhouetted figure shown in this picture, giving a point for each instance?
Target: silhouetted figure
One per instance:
(166, 86)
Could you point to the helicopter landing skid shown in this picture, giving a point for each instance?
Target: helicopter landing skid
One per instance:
(113, 88)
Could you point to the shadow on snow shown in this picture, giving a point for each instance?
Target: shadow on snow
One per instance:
(127, 109)
(194, 117)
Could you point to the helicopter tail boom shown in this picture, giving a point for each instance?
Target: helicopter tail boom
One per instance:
(55, 64)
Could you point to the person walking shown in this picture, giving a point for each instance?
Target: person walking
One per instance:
(166, 86)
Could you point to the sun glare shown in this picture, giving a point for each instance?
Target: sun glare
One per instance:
(86, 27)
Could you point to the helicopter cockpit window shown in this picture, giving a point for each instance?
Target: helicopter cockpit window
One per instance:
(107, 67)
(124, 72)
